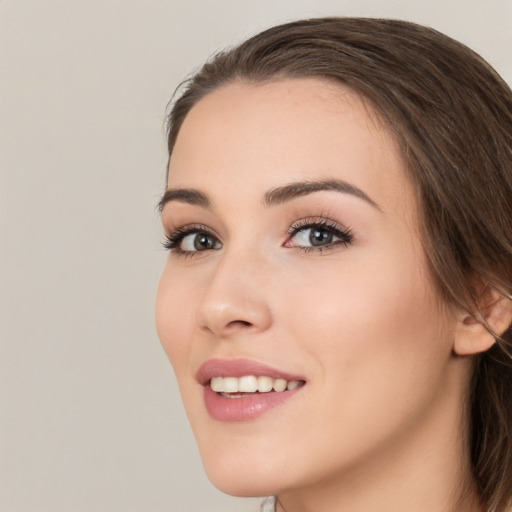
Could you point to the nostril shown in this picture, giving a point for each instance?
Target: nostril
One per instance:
(225, 315)
(239, 323)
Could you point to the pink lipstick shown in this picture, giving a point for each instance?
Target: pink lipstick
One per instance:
(237, 390)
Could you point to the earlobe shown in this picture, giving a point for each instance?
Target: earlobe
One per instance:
(477, 332)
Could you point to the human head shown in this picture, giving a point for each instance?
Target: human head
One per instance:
(452, 117)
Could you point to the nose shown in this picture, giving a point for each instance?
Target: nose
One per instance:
(235, 298)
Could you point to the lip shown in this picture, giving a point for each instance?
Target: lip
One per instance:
(239, 368)
(247, 407)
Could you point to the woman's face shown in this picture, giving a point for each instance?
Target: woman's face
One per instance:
(296, 261)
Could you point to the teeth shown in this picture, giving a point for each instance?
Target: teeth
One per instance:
(217, 384)
(251, 384)
(248, 384)
(230, 385)
(279, 385)
(293, 384)
(265, 384)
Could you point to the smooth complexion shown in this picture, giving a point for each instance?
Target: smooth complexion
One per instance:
(378, 423)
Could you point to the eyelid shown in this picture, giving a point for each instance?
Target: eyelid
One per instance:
(175, 236)
(326, 222)
(342, 232)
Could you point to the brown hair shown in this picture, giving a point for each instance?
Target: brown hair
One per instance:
(452, 114)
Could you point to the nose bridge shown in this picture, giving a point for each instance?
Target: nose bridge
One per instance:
(235, 298)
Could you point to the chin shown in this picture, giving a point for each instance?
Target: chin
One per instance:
(243, 472)
(246, 482)
(245, 487)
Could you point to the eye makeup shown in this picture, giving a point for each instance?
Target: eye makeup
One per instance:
(204, 240)
(309, 234)
(318, 234)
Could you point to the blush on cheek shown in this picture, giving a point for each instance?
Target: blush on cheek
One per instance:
(170, 322)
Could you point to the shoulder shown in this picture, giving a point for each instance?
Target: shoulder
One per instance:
(269, 504)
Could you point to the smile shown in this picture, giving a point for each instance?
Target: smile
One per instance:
(252, 384)
(242, 390)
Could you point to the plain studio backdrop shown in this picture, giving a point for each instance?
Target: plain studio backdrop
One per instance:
(90, 415)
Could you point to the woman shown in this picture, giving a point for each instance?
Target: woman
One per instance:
(337, 298)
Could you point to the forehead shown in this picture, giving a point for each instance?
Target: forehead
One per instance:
(251, 137)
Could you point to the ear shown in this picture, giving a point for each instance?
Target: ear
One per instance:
(476, 332)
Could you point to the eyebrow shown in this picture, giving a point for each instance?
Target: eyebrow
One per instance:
(273, 197)
(291, 191)
(184, 195)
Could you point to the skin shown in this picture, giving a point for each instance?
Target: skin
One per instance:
(379, 424)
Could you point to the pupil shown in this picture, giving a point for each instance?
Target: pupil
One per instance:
(318, 237)
(203, 242)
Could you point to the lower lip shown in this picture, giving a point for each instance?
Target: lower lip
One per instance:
(245, 408)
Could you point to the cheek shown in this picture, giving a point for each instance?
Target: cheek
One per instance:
(372, 322)
(174, 318)
(379, 349)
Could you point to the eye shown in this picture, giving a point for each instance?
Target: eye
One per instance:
(190, 240)
(318, 235)
(197, 242)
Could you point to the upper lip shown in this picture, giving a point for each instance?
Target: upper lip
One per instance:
(239, 368)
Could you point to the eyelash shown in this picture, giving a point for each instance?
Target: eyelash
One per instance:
(321, 224)
(173, 240)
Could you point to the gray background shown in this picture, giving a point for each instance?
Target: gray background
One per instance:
(90, 415)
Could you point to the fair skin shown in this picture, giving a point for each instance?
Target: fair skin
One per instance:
(330, 285)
